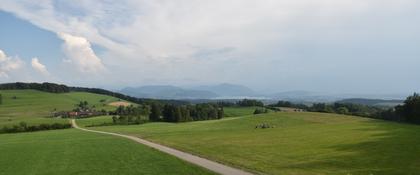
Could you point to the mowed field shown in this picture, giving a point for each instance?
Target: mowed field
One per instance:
(71, 151)
(299, 143)
(35, 107)
(238, 111)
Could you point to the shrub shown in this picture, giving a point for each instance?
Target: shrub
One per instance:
(24, 127)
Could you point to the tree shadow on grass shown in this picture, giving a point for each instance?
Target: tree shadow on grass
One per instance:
(394, 148)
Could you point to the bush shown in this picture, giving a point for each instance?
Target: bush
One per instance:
(24, 127)
(260, 111)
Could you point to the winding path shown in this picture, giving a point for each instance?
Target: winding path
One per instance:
(208, 164)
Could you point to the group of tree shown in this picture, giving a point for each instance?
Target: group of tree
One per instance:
(131, 114)
(184, 113)
(289, 104)
(408, 112)
(346, 108)
(47, 87)
(241, 103)
(59, 88)
(249, 102)
(261, 111)
(24, 127)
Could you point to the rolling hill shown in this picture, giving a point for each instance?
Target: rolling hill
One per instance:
(296, 143)
(72, 151)
(34, 106)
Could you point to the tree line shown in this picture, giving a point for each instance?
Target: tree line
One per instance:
(158, 112)
(131, 115)
(408, 112)
(24, 127)
(241, 103)
(47, 87)
(59, 88)
(185, 113)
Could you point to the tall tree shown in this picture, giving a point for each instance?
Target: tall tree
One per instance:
(410, 110)
(155, 113)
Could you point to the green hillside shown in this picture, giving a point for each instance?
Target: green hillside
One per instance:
(299, 143)
(72, 151)
(34, 106)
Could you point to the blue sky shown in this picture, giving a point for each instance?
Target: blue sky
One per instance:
(21, 38)
(349, 46)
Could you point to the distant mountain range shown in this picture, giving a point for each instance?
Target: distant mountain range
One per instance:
(233, 91)
(200, 92)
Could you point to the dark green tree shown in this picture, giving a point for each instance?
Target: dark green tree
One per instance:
(155, 113)
(410, 110)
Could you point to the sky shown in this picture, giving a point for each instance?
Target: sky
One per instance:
(346, 46)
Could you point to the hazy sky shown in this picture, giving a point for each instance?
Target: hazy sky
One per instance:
(348, 46)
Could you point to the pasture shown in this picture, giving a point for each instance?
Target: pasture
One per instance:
(238, 111)
(297, 143)
(72, 151)
(35, 107)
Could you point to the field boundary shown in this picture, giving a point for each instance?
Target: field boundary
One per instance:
(202, 162)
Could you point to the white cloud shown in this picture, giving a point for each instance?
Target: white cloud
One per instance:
(2, 56)
(9, 64)
(219, 40)
(39, 67)
(79, 52)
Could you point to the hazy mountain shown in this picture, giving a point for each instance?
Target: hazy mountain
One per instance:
(200, 92)
(228, 90)
(298, 96)
(167, 92)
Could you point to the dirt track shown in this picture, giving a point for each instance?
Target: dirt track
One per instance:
(208, 164)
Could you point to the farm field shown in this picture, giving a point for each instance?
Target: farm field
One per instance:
(299, 143)
(35, 107)
(72, 151)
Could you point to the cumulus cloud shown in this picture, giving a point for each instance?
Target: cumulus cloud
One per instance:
(9, 64)
(39, 67)
(80, 54)
(282, 40)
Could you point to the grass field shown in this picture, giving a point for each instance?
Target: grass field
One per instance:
(238, 111)
(76, 152)
(95, 121)
(34, 106)
(300, 143)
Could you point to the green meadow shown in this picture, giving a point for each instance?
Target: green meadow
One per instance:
(297, 143)
(71, 151)
(35, 107)
(238, 111)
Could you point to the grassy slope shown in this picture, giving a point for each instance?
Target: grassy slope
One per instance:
(76, 152)
(300, 143)
(238, 111)
(34, 106)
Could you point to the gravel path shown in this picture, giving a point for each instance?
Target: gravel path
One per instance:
(208, 164)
